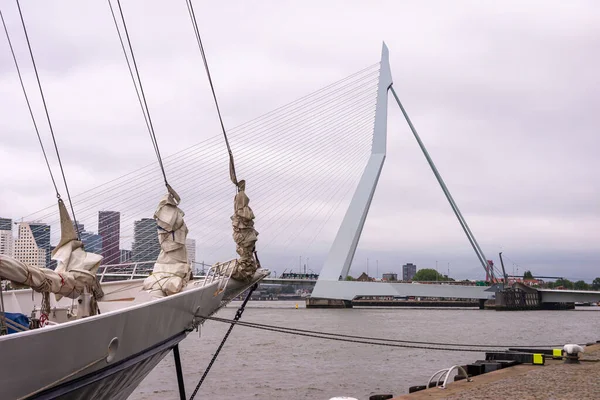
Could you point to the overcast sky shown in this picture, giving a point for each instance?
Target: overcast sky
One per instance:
(504, 94)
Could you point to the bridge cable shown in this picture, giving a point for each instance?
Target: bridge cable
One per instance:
(192, 14)
(370, 340)
(235, 319)
(37, 131)
(49, 122)
(193, 152)
(137, 73)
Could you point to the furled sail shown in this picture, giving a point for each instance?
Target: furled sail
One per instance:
(172, 269)
(244, 235)
(76, 269)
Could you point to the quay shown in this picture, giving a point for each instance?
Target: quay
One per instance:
(414, 303)
(554, 380)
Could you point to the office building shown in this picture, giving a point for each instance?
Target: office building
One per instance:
(390, 277)
(145, 245)
(79, 227)
(7, 240)
(109, 227)
(5, 224)
(92, 243)
(408, 271)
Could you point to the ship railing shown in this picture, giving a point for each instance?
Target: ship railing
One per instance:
(220, 272)
(142, 269)
(125, 271)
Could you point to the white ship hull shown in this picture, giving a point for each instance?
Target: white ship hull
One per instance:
(146, 332)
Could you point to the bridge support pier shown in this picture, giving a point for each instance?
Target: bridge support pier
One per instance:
(315, 302)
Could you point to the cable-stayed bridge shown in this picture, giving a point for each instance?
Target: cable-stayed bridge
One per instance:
(309, 165)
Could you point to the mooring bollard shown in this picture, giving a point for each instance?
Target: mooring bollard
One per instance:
(380, 396)
(572, 353)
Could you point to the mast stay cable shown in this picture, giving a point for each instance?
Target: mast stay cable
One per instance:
(37, 131)
(137, 91)
(37, 76)
(143, 95)
(192, 14)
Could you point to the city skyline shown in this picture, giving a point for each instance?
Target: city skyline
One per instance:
(37, 236)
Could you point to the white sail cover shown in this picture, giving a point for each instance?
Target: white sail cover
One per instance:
(244, 235)
(172, 269)
(76, 269)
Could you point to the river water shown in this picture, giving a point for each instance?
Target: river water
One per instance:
(256, 364)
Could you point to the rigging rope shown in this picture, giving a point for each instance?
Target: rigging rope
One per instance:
(48, 118)
(192, 14)
(143, 95)
(238, 315)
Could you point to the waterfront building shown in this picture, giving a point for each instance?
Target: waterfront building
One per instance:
(27, 249)
(408, 271)
(7, 240)
(190, 245)
(109, 228)
(390, 277)
(145, 245)
(365, 278)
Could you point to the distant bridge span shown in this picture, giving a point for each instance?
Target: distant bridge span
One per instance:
(331, 290)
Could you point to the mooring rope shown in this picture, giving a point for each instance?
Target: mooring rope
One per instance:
(374, 340)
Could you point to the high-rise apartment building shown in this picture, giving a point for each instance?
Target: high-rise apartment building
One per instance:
(145, 245)
(408, 271)
(109, 228)
(7, 240)
(27, 249)
(190, 245)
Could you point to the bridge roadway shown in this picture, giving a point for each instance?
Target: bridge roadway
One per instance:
(431, 289)
(349, 290)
